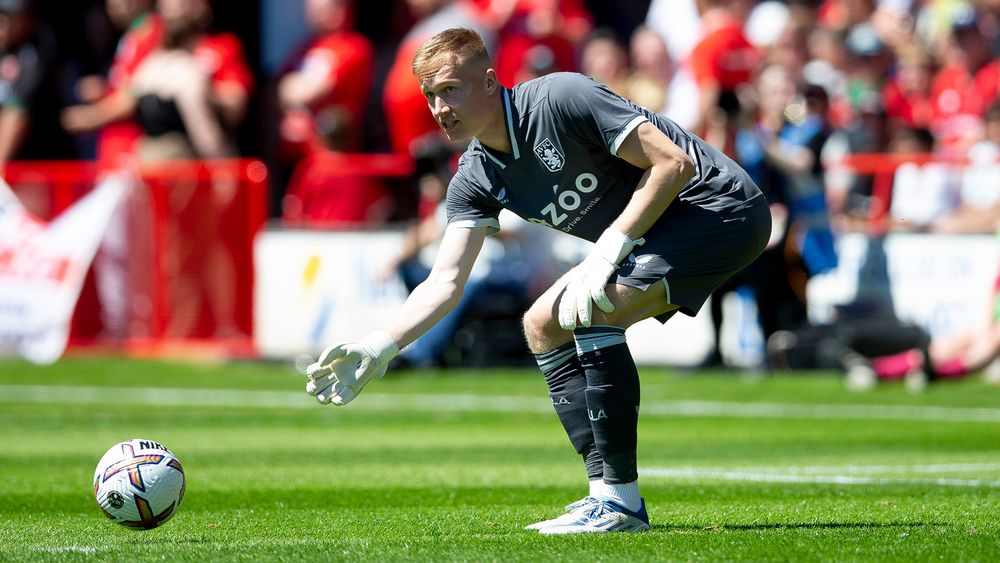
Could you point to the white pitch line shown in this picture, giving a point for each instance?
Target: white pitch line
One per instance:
(826, 412)
(777, 477)
(426, 402)
(68, 549)
(928, 468)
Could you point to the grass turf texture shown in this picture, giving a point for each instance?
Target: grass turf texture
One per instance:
(451, 466)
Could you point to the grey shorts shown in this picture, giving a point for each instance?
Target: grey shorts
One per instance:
(693, 251)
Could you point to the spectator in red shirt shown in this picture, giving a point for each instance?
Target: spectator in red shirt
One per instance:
(403, 102)
(907, 96)
(963, 89)
(190, 93)
(568, 19)
(217, 55)
(330, 84)
(722, 63)
(539, 37)
(324, 191)
(220, 55)
(844, 14)
(111, 110)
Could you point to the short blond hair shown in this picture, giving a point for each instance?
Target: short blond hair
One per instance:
(456, 46)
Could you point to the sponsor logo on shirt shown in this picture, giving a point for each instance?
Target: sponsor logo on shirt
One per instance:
(550, 155)
(502, 196)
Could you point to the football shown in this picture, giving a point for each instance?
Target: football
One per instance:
(139, 484)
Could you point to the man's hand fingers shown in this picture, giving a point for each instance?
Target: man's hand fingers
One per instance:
(316, 386)
(346, 396)
(323, 394)
(332, 353)
(567, 309)
(601, 298)
(331, 393)
(317, 371)
(583, 307)
(340, 394)
(328, 360)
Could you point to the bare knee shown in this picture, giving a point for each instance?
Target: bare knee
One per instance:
(542, 332)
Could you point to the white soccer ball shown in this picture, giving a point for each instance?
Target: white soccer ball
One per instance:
(139, 484)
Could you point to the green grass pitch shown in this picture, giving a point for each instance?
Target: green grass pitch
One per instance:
(445, 466)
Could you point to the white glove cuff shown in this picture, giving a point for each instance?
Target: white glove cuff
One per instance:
(613, 245)
(381, 346)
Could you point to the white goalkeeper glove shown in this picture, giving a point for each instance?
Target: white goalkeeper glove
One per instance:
(589, 279)
(344, 369)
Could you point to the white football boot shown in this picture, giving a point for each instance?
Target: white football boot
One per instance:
(606, 516)
(574, 512)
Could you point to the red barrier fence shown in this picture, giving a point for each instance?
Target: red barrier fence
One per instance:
(176, 266)
(334, 190)
(882, 167)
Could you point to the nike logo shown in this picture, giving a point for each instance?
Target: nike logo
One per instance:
(734, 219)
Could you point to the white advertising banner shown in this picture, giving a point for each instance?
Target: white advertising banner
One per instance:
(940, 282)
(42, 268)
(313, 289)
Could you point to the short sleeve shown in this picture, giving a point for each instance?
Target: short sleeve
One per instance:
(468, 203)
(592, 112)
(232, 67)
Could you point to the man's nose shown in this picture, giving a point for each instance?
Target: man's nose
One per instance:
(440, 106)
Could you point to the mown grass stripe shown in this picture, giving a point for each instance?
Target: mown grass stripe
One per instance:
(792, 477)
(166, 396)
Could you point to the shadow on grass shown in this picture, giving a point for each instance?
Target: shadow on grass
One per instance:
(799, 526)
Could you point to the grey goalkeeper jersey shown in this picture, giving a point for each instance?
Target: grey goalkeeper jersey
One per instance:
(562, 171)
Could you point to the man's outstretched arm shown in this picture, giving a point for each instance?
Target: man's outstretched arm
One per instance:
(344, 369)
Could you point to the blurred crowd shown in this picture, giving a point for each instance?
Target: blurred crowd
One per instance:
(791, 89)
(787, 87)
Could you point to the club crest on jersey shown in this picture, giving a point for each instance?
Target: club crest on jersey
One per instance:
(550, 155)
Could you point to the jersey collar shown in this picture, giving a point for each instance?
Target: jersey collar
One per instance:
(508, 115)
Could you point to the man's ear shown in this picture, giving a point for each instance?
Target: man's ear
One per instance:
(491, 80)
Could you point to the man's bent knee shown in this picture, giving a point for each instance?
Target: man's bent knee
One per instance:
(542, 332)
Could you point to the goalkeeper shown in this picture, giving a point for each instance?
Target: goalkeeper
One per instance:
(670, 216)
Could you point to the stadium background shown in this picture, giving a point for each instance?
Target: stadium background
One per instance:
(192, 273)
(449, 465)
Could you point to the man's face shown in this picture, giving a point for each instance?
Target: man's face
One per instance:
(123, 12)
(180, 15)
(325, 16)
(459, 99)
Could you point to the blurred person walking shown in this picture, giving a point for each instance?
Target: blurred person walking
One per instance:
(323, 99)
(328, 83)
(534, 39)
(780, 149)
(651, 69)
(186, 87)
(29, 103)
(108, 107)
(189, 93)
